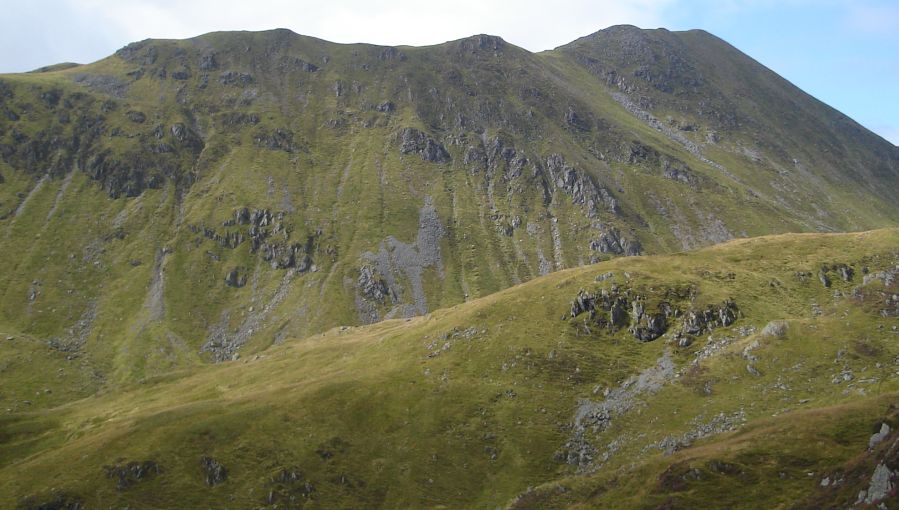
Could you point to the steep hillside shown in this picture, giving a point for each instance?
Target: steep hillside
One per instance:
(760, 373)
(182, 202)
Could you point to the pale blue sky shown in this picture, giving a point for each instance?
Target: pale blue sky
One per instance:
(844, 52)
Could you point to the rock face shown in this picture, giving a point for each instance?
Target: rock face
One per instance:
(580, 186)
(269, 235)
(414, 141)
(611, 241)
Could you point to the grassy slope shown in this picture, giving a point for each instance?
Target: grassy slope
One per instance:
(412, 412)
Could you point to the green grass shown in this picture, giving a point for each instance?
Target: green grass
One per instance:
(411, 428)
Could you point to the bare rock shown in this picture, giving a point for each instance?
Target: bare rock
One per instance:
(611, 241)
(878, 437)
(235, 279)
(214, 472)
(415, 142)
(775, 329)
(880, 487)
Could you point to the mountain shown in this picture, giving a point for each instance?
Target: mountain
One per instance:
(183, 220)
(773, 385)
(190, 201)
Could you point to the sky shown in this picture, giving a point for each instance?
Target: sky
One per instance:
(844, 52)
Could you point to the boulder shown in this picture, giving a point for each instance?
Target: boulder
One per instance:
(235, 279)
(879, 436)
(776, 329)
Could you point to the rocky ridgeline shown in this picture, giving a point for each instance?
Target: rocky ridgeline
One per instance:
(615, 308)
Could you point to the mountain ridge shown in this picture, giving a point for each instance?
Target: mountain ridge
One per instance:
(265, 270)
(328, 184)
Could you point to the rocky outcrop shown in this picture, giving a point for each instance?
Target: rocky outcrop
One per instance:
(136, 116)
(277, 139)
(269, 237)
(185, 137)
(482, 43)
(238, 119)
(289, 487)
(126, 475)
(56, 501)
(235, 78)
(843, 271)
(214, 472)
(879, 488)
(697, 322)
(613, 308)
(235, 279)
(414, 141)
(372, 286)
(231, 239)
(678, 171)
(649, 326)
(611, 241)
(879, 436)
(609, 308)
(386, 107)
(77, 135)
(887, 277)
(580, 187)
